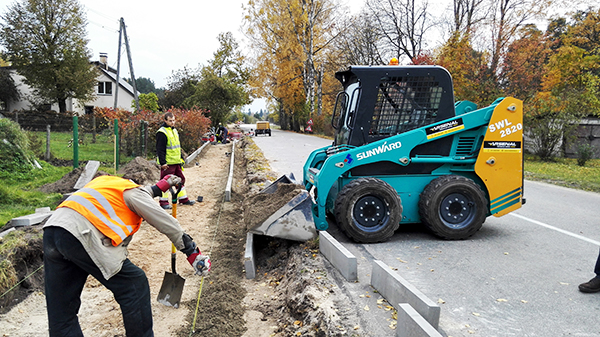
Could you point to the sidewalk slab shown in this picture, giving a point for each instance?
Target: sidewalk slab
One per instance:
(338, 256)
(411, 324)
(88, 174)
(397, 290)
(32, 219)
(230, 179)
(249, 262)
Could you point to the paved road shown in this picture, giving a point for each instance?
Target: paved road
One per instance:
(517, 276)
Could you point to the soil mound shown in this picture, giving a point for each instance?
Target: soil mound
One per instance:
(261, 206)
(141, 171)
(67, 182)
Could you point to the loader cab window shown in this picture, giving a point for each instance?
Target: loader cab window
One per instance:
(405, 103)
(345, 108)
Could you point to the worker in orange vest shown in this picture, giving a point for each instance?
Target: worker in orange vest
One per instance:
(88, 234)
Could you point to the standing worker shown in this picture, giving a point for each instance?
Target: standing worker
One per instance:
(88, 234)
(170, 159)
(593, 285)
(222, 133)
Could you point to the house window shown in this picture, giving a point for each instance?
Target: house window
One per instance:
(105, 88)
(89, 109)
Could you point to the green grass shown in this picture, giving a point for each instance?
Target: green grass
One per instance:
(19, 195)
(102, 150)
(565, 172)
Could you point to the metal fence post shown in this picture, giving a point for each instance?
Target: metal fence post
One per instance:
(75, 142)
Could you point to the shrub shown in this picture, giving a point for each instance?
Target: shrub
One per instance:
(191, 124)
(584, 153)
(15, 155)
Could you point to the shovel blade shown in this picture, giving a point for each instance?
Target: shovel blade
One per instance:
(171, 290)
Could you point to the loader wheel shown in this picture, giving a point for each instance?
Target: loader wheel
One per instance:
(453, 207)
(368, 210)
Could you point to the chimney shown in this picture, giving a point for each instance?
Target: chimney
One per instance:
(104, 60)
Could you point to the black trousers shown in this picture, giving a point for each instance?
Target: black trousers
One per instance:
(597, 267)
(66, 268)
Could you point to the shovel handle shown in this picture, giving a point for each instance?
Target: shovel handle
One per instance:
(173, 258)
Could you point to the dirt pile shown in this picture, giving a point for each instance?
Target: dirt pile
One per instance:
(141, 171)
(258, 207)
(67, 182)
(19, 262)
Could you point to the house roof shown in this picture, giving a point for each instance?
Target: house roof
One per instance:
(123, 84)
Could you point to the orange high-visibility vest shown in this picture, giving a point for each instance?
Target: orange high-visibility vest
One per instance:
(101, 202)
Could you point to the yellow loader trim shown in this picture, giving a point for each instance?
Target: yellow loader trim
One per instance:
(500, 161)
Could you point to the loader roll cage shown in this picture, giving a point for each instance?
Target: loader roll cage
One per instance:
(382, 101)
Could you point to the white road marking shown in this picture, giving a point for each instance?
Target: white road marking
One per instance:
(577, 236)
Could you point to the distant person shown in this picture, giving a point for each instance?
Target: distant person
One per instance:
(170, 159)
(593, 285)
(88, 234)
(222, 133)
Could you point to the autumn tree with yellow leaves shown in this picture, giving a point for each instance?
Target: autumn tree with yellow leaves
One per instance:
(291, 40)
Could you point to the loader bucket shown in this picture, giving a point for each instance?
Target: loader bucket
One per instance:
(292, 221)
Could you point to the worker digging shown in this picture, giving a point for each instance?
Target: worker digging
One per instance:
(88, 235)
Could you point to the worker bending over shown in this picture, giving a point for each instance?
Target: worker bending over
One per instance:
(88, 234)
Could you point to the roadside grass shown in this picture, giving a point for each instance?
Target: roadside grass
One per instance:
(19, 194)
(102, 150)
(564, 172)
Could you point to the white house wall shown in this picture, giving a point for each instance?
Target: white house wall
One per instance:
(26, 101)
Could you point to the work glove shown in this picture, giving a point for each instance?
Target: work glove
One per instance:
(167, 181)
(200, 263)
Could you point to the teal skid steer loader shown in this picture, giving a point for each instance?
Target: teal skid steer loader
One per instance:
(405, 152)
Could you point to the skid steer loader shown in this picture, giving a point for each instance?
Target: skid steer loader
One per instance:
(405, 152)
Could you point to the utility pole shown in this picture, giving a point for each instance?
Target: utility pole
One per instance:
(123, 32)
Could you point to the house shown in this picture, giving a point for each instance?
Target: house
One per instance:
(105, 91)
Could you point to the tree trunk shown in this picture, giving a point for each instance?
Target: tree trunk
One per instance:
(62, 105)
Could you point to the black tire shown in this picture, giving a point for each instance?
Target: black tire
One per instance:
(269, 133)
(368, 210)
(453, 207)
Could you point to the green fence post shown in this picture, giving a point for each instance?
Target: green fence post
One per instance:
(75, 142)
(116, 124)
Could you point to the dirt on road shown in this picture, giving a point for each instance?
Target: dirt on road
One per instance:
(292, 295)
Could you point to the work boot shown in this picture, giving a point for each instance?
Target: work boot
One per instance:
(167, 206)
(189, 202)
(591, 286)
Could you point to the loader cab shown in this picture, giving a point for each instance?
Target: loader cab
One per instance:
(383, 101)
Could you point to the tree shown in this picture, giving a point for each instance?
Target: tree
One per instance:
(524, 64)
(180, 86)
(222, 84)
(506, 18)
(148, 102)
(469, 70)
(45, 40)
(361, 43)
(403, 25)
(143, 85)
(292, 40)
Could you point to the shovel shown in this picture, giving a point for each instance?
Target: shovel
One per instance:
(172, 286)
